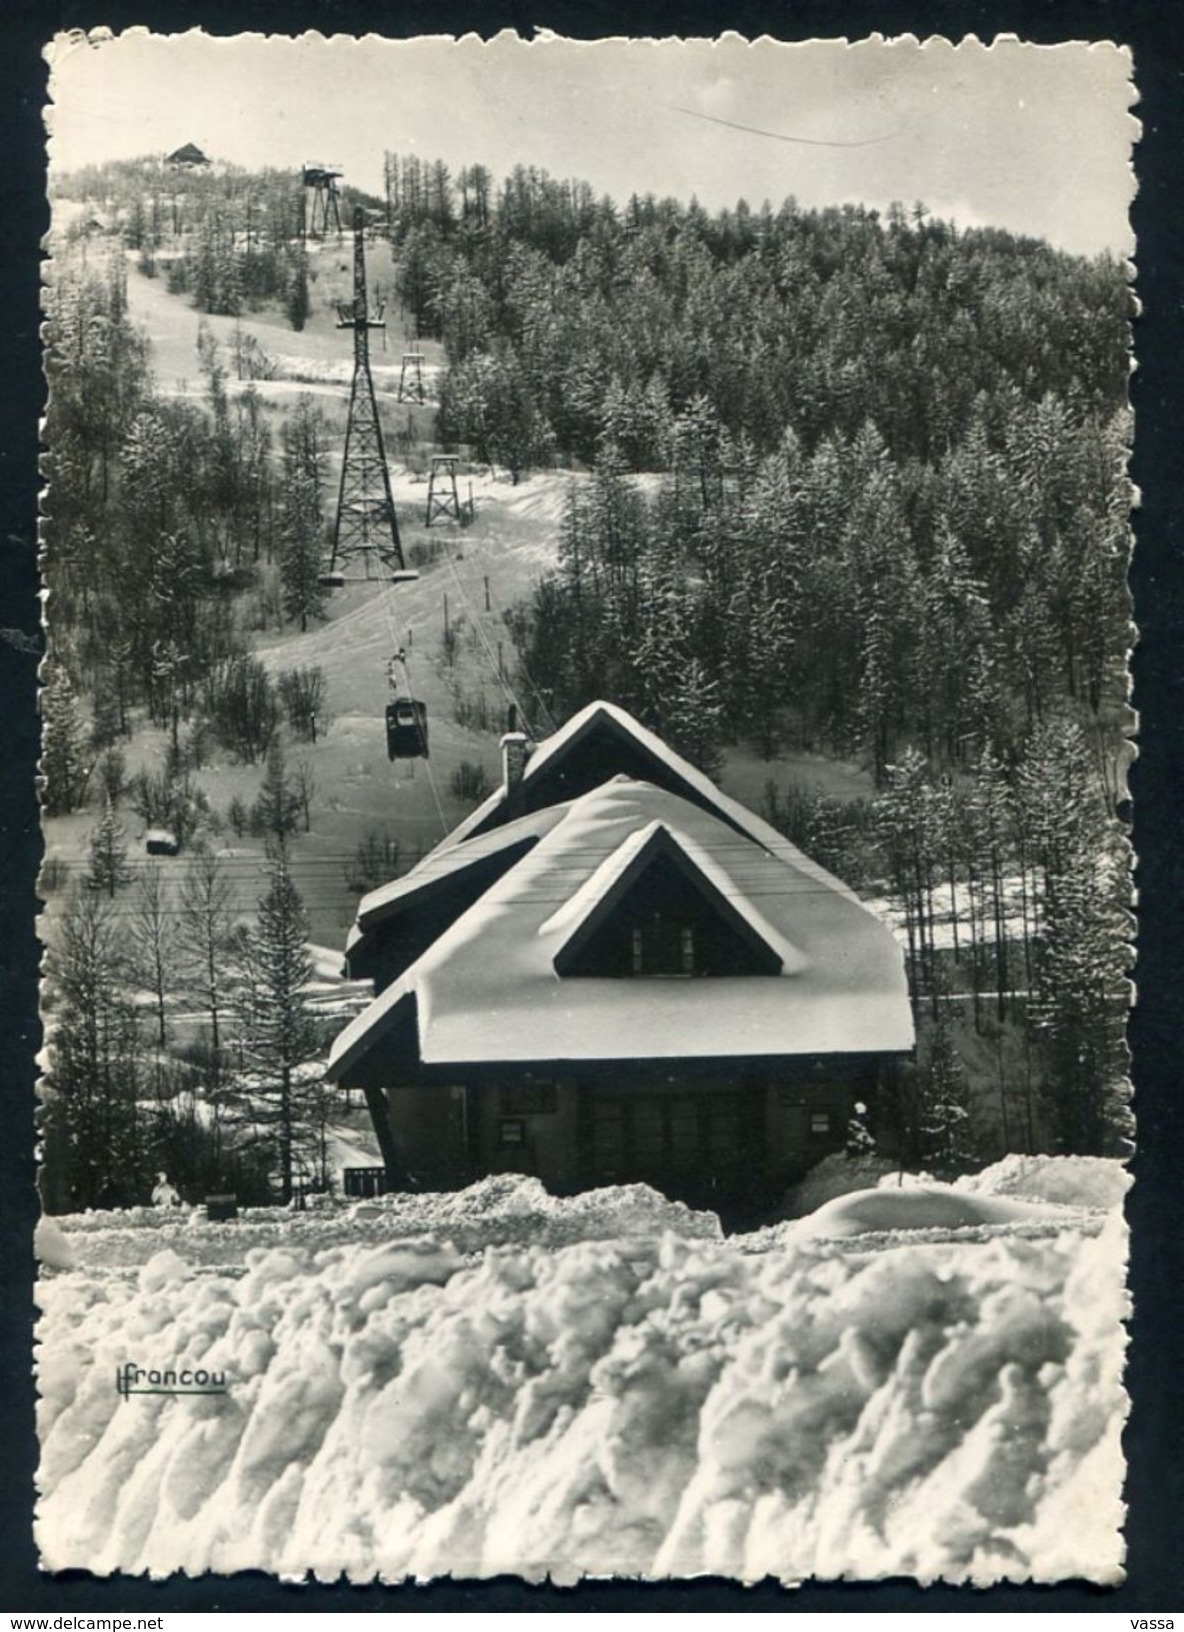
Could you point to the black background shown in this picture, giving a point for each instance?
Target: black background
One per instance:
(1154, 29)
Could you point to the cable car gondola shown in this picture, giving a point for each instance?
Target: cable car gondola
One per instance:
(406, 729)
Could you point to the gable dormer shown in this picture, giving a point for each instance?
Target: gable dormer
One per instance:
(660, 907)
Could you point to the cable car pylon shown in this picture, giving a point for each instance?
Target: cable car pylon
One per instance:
(443, 498)
(320, 180)
(411, 384)
(366, 545)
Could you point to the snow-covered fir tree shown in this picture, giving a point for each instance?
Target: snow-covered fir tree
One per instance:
(297, 305)
(108, 869)
(276, 813)
(204, 926)
(859, 1139)
(1080, 1000)
(944, 1128)
(301, 550)
(279, 1031)
(65, 765)
(91, 1121)
(153, 945)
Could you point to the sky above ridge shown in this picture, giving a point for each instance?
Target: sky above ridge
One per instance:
(1034, 139)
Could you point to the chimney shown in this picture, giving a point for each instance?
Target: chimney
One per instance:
(514, 750)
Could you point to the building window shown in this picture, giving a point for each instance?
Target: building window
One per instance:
(820, 1122)
(513, 1131)
(528, 1098)
(660, 945)
(647, 1134)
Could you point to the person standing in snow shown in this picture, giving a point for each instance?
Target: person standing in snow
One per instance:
(164, 1194)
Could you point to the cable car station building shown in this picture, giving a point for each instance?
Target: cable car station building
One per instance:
(612, 972)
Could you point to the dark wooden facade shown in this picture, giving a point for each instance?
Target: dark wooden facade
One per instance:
(730, 1139)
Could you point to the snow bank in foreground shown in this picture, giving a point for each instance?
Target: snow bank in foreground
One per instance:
(915, 1207)
(655, 1405)
(834, 1175)
(497, 1211)
(1069, 1181)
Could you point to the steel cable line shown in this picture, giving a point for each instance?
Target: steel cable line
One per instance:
(500, 678)
(534, 896)
(574, 855)
(552, 723)
(784, 136)
(400, 656)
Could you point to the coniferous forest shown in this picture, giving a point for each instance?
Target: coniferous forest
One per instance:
(842, 483)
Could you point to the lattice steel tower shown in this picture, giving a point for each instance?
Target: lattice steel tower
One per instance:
(411, 386)
(321, 194)
(366, 528)
(443, 499)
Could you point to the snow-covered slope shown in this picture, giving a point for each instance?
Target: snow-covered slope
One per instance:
(657, 1404)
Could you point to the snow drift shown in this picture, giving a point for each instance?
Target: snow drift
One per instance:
(655, 1405)
(501, 1210)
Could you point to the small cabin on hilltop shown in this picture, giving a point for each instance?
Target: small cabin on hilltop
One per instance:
(612, 972)
(187, 157)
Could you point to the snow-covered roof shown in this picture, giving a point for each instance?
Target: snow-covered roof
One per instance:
(444, 862)
(698, 786)
(488, 991)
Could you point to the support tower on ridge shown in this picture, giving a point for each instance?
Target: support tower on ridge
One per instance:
(366, 534)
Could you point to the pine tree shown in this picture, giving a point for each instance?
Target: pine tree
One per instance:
(204, 928)
(904, 814)
(108, 853)
(106, 725)
(698, 449)
(276, 812)
(1080, 1001)
(875, 694)
(693, 716)
(154, 936)
(991, 810)
(238, 816)
(64, 764)
(860, 1140)
(91, 1121)
(303, 443)
(280, 1032)
(298, 304)
(517, 432)
(112, 774)
(1080, 1009)
(305, 787)
(301, 552)
(944, 1126)
(241, 705)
